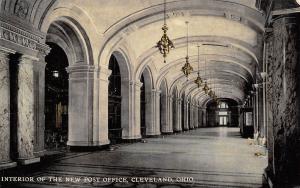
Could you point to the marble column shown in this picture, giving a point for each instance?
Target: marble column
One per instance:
(5, 161)
(39, 100)
(178, 115)
(26, 129)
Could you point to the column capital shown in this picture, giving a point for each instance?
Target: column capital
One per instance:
(25, 57)
(170, 97)
(5, 51)
(137, 83)
(104, 73)
(156, 91)
(82, 68)
(28, 60)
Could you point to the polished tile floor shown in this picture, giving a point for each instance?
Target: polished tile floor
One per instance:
(207, 157)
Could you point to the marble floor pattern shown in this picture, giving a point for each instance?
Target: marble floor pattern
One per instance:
(213, 157)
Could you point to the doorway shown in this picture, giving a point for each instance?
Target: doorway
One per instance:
(114, 102)
(56, 98)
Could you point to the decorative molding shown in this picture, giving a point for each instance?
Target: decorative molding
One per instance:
(23, 38)
(233, 17)
(22, 9)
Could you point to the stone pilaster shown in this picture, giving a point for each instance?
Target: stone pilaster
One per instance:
(260, 121)
(132, 131)
(255, 117)
(185, 116)
(196, 125)
(178, 126)
(26, 128)
(137, 109)
(5, 161)
(204, 118)
(191, 114)
(166, 108)
(199, 117)
(153, 118)
(88, 110)
(169, 124)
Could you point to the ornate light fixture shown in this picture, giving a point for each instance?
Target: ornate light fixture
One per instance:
(205, 87)
(215, 97)
(198, 80)
(165, 44)
(210, 93)
(187, 68)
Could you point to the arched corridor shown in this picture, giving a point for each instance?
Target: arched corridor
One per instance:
(208, 163)
(204, 88)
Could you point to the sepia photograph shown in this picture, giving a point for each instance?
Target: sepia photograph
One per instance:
(149, 93)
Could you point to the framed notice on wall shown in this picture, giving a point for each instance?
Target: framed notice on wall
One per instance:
(249, 121)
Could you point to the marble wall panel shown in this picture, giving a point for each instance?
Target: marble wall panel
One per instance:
(4, 109)
(25, 102)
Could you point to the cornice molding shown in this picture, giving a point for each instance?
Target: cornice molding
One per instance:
(23, 38)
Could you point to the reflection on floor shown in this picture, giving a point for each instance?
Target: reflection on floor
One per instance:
(209, 157)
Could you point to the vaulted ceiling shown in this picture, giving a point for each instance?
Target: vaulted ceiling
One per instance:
(229, 33)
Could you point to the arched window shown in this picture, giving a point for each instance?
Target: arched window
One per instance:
(143, 107)
(223, 105)
(114, 102)
(223, 114)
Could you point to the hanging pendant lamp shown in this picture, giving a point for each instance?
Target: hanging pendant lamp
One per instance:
(205, 87)
(198, 80)
(165, 44)
(187, 68)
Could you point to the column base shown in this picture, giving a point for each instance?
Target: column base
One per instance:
(262, 141)
(131, 139)
(88, 143)
(267, 181)
(177, 131)
(7, 165)
(136, 137)
(152, 134)
(29, 161)
(39, 153)
(167, 133)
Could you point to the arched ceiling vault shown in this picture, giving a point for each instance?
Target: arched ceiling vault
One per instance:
(229, 44)
(228, 32)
